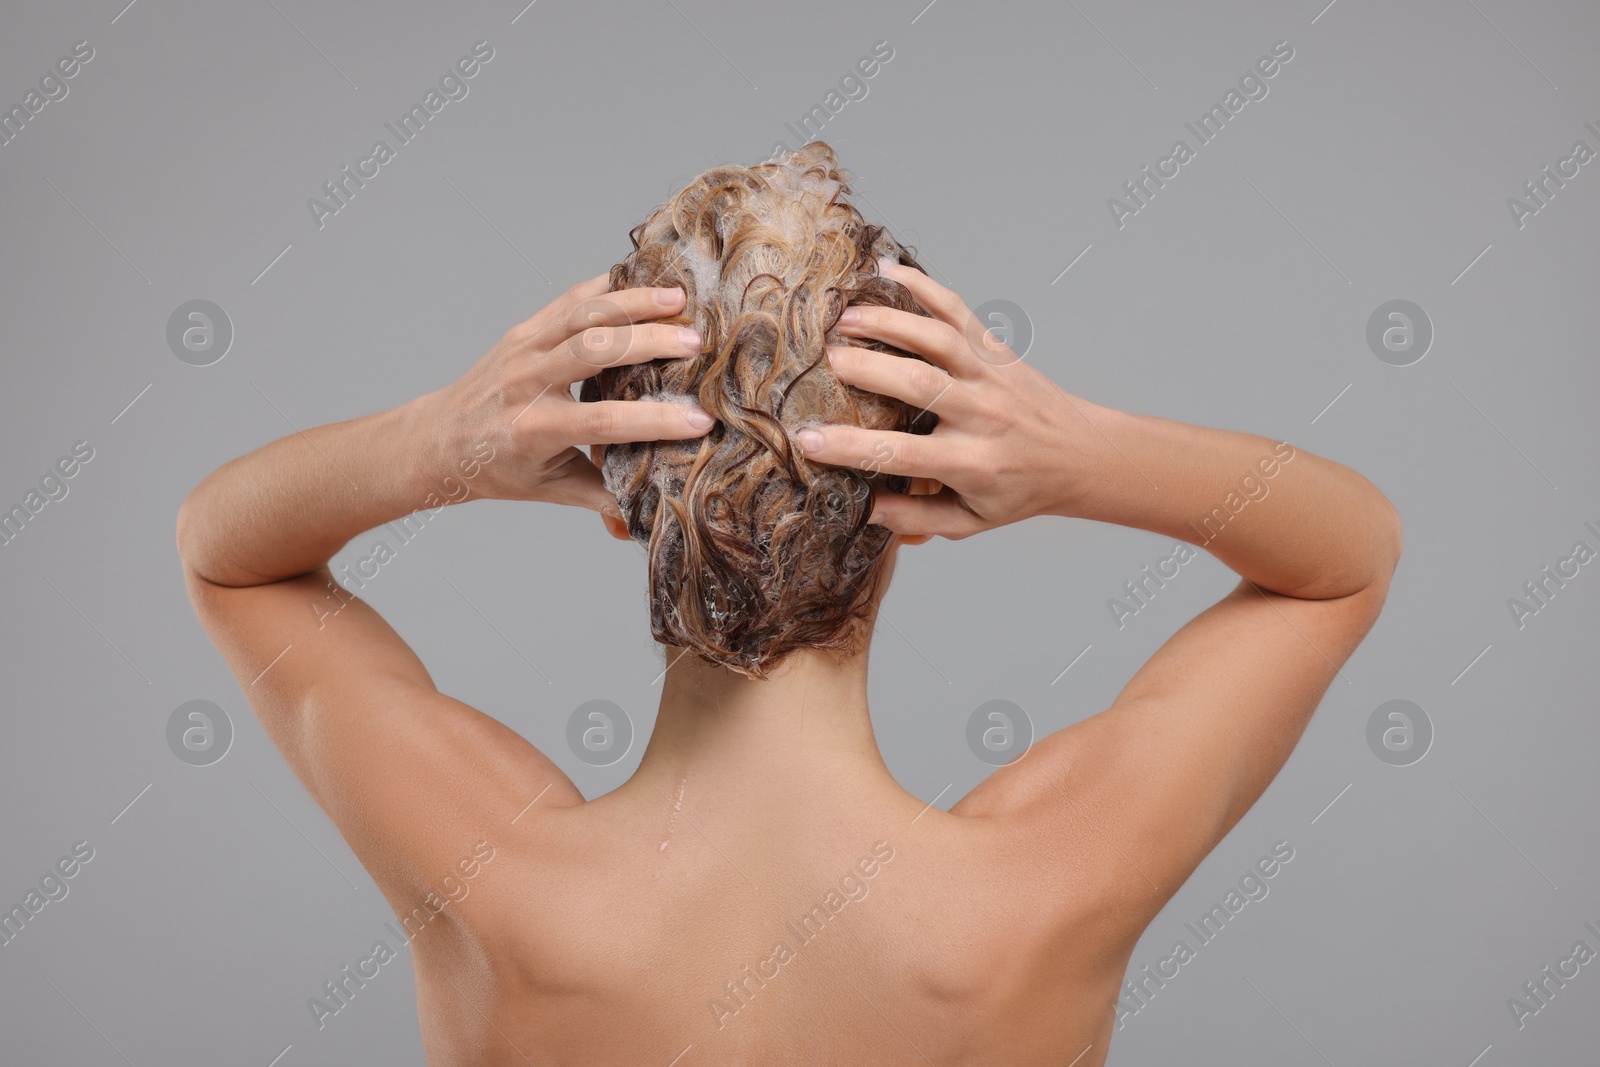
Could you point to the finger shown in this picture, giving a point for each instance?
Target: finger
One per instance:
(588, 353)
(578, 482)
(599, 285)
(620, 308)
(942, 515)
(919, 384)
(558, 309)
(875, 451)
(949, 308)
(938, 342)
(940, 302)
(610, 422)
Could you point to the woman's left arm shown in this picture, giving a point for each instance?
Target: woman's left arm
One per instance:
(507, 429)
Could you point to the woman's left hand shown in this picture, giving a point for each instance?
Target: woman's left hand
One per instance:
(518, 398)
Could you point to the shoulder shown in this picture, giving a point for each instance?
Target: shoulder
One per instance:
(1067, 817)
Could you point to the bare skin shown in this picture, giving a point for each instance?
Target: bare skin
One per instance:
(646, 924)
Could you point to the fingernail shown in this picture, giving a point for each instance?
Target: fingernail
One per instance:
(876, 520)
(850, 317)
(668, 297)
(690, 339)
(810, 440)
(700, 420)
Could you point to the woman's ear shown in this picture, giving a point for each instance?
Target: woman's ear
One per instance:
(615, 527)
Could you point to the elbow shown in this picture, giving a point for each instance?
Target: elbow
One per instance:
(1387, 537)
(1392, 536)
(188, 536)
(184, 534)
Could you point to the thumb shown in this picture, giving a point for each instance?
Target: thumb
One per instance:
(578, 483)
(942, 514)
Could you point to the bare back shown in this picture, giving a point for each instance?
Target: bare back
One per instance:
(844, 926)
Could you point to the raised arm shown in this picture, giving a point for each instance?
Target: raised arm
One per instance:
(1204, 726)
(1200, 731)
(343, 697)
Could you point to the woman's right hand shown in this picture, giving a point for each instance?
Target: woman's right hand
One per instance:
(1010, 443)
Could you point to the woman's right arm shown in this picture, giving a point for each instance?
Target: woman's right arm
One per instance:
(1201, 730)
(1284, 519)
(1198, 733)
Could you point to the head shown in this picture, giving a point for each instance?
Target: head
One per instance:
(754, 551)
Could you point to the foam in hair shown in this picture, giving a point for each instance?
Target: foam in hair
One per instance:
(755, 552)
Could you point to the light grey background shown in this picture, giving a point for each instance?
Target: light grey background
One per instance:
(1378, 167)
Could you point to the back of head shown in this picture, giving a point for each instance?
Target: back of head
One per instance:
(754, 551)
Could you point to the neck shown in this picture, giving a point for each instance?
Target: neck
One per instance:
(808, 718)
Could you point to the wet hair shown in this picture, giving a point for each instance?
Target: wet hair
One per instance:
(754, 551)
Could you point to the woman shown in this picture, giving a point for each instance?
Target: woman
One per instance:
(776, 400)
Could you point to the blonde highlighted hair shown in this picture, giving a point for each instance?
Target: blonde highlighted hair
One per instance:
(754, 551)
